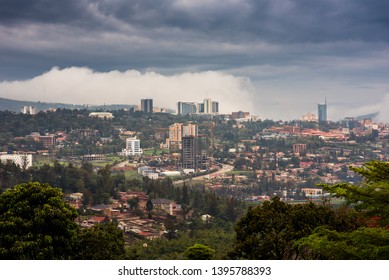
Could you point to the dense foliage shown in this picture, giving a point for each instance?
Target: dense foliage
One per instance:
(103, 241)
(97, 187)
(36, 223)
(198, 252)
(270, 230)
(371, 198)
(372, 195)
(217, 236)
(360, 244)
(196, 199)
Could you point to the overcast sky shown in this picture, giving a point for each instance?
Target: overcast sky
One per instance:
(274, 58)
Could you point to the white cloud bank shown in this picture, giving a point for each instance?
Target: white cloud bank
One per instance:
(383, 113)
(76, 85)
(280, 99)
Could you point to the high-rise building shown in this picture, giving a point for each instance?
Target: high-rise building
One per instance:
(177, 131)
(322, 112)
(207, 106)
(175, 136)
(215, 107)
(28, 110)
(146, 105)
(188, 152)
(200, 108)
(190, 130)
(186, 108)
(194, 153)
(202, 148)
(132, 147)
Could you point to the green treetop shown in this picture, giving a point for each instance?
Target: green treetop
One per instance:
(371, 197)
(199, 252)
(269, 231)
(35, 223)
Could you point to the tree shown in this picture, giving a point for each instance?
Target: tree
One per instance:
(360, 244)
(270, 230)
(149, 208)
(35, 223)
(261, 233)
(101, 242)
(371, 197)
(133, 202)
(105, 181)
(185, 195)
(171, 227)
(199, 252)
(11, 174)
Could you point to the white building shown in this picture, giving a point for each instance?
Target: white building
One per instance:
(170, 173)
(145, 169)
(132, 147)
(148, 171)
(23, 161)
(101, 115)
(309, 117)
(28, 110)
(153, 175)
(207, 106)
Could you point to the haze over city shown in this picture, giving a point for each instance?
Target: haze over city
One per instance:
(276, 59)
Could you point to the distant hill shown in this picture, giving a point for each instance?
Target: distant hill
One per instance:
(110, 107)
(15, 106)
(368, 116)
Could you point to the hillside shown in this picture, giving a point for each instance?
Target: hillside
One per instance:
(15, 105)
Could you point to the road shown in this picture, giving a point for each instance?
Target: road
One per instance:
(224, 169)
(122, 164)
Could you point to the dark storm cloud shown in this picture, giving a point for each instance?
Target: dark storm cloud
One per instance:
(173, 33)
(41, 11)
(269, 20)
(287, 47)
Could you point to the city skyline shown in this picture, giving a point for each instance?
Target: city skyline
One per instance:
(275, 59)
(192, 108)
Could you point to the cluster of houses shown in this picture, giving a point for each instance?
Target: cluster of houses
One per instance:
(131, 213)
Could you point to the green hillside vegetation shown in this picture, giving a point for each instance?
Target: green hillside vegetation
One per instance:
(35, 223)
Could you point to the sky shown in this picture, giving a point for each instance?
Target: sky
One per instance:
(274, 58)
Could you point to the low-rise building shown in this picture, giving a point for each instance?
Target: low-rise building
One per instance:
(22, 160)
(93, 157)
(101, 115)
